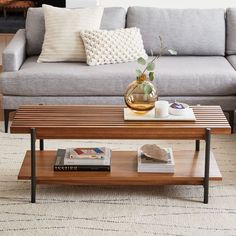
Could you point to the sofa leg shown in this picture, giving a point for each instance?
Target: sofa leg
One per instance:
(6, 118)
(5, 13)
(231, 120)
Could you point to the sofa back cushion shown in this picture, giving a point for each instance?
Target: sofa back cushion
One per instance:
(188, 31)
(113, 18)
(231, 31)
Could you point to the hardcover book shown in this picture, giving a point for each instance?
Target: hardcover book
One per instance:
(103, 158)
(87, 153)
(86, 165)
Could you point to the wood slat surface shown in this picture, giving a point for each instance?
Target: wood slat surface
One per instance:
(102, 122)
(189, 169)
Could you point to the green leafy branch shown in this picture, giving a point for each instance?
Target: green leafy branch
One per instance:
(150, 67)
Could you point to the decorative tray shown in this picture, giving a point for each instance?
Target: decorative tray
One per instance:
(130, 115)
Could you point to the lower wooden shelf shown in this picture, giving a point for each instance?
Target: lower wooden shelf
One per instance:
(189, 169)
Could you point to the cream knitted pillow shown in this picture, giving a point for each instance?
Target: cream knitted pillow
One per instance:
(62, 41)
(109, 47)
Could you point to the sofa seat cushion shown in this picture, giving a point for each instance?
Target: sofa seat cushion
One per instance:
(176, 76)
(196, 76)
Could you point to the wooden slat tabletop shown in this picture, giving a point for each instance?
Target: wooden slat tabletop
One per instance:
(102, 122)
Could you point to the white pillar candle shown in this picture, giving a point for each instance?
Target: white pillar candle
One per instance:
(161, 108)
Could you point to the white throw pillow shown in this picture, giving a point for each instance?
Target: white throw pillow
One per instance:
(115, 46)
(62, 41)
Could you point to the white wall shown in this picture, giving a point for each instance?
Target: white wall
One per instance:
(171, 3)
(155, 3)
(81, 3)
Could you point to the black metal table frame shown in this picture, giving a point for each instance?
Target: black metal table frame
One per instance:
(197, 148)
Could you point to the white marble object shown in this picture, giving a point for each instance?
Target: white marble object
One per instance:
(130, 115)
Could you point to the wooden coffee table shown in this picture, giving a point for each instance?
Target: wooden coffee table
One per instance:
(194, 167)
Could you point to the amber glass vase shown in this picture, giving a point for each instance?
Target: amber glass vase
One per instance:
(137, 100)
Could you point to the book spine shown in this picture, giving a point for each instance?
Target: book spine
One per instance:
(79, 157)
(79, 162)
(80, 168)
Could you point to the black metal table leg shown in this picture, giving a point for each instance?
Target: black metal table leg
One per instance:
(6, 118)
(197, 145)
(41, 144)
(231, 120)
(207, 164)
(33, 166)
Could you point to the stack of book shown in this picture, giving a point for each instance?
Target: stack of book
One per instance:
(83, 159)
(147, 164)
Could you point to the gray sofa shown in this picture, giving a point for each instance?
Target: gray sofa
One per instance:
(202, 73)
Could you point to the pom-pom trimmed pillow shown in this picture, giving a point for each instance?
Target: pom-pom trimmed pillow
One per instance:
(62, 41)
(115, 46)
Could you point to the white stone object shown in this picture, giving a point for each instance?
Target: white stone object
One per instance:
(155, 152)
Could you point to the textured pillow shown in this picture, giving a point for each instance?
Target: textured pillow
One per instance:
(62, 41)
(110, 47)
(113, 18)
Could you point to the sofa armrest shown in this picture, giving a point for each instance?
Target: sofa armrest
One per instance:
(15, 53)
